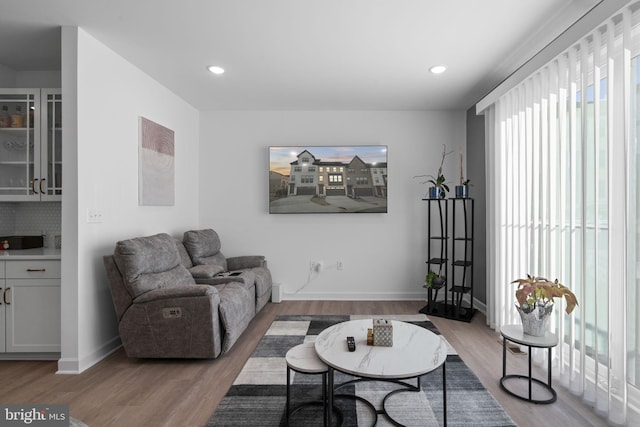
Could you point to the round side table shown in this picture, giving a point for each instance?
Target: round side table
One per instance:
(515, 334)
(303, 359)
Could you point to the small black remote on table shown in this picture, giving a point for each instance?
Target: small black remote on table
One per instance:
(351, 344)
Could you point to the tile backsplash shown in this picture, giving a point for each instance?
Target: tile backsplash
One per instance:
(30, 218)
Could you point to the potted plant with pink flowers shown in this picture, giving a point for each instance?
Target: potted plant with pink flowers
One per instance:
(535, 296)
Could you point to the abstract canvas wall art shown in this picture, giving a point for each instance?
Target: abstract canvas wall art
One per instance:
(156, 180)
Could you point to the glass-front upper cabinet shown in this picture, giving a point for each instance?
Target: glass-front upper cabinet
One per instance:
(30, 144)
(52, 126)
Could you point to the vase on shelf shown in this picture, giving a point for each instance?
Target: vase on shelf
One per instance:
(435, 193)
(462, 191)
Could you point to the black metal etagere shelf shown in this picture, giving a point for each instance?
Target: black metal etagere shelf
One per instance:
(460, 281)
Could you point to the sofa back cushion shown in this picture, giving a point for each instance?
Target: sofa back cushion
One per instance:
(152, 262)
(185, 259)
(204, 248)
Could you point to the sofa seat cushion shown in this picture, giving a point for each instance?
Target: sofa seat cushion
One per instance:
(248, 277)
(237, 308)
(205, 271)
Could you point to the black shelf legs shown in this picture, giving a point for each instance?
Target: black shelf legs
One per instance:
(454, 305)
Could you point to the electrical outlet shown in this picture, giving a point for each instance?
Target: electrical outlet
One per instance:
(316, 266)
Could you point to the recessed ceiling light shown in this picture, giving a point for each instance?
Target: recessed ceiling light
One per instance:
(438, 69)
(216, 70)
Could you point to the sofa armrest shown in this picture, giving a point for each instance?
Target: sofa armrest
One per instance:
(189, 291)
(247, 261)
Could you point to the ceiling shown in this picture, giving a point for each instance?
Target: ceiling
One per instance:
(301, 54)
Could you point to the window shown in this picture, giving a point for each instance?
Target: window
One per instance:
(304, 159)
(335, 179)
(311, 168)
(633, 258)
(563, 178)
(297, 168)
(362, 180)
(306, 179)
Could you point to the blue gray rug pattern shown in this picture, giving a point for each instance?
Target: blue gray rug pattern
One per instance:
(258, 395)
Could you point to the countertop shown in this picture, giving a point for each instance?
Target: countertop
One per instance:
(36, 253)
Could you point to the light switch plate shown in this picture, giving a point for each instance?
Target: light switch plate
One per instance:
(95, 216)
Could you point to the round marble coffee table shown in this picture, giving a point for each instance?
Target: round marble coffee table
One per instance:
(416, 351)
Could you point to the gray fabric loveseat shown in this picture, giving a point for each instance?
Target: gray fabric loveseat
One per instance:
(183, 299)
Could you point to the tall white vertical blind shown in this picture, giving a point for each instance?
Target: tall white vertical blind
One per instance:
(562, 157)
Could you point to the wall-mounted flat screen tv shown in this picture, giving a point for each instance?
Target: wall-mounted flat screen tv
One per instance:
(328, 179)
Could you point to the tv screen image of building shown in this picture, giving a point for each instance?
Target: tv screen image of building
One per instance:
(328, 179)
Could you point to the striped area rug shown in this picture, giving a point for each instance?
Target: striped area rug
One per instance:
(258, 395)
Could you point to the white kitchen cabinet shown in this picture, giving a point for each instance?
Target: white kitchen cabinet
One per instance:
(30, 145)
(30, 306)
(3, 288)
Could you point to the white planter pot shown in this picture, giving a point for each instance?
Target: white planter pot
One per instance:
(535, 322)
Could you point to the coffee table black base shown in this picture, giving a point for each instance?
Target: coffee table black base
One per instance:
(383, 411)
(320, 403)
(406, 387)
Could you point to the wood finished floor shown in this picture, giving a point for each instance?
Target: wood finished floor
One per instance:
(126, 392)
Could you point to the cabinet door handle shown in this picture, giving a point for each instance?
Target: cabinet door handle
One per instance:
(42, 182)
(4, 296)
(33, 186)
(36, 269)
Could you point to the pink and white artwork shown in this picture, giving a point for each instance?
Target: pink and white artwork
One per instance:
(156, 165)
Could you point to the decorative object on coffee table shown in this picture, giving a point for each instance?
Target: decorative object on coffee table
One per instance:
(382, 333)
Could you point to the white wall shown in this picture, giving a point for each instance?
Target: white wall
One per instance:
(101, 172)
(10, 78)
(45, 79)
(7, 76)
(383, 254)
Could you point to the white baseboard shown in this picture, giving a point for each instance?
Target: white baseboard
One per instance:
(377, 296)
(351, 296)
(77, 366)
